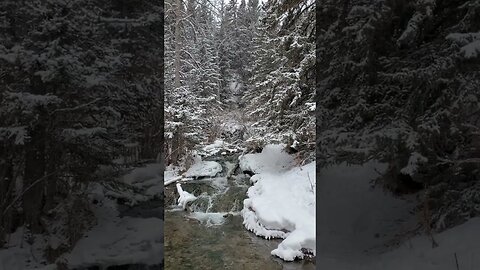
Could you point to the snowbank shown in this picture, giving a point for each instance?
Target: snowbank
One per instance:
(171, 172)
(150, 174)
(117, 241)
(359, 224)
(282, 204)
(271, 159)
(148, 179)
(113, 240)
(147, 183)
(418, 253)
(18, 253)
(204, 169)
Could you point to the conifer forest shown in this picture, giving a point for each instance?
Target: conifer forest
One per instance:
(192, 134)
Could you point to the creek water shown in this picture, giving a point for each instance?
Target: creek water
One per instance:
(210, 233)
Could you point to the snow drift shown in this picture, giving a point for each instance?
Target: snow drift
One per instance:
(281, 203)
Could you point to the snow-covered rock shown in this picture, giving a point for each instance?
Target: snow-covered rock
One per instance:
(204, 169)
(271, 159)
(281, 204)
(218, 146)
(96, 192)
(213, 148)
(185, 197)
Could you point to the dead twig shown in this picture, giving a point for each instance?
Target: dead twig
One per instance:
(312, 186)
(25, 190)
(456, 260)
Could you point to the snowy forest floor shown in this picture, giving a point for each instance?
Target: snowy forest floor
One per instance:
(128, 230)
(363, 227)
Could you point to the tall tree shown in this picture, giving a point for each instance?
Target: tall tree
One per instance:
(397, 82)
(79, 81)
(282, 87)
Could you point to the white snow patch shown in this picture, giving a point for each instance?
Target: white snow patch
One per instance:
(412, 165)
(96, 192)
(218, 146)
(204, 169)
(117, 241)
(471, 50)
(29, 101)
(148, 180)
(357, 221)
(311, 106)
(418, 253)
(281, 204)
(140, 175)
(19, 133)
(271, 159)
(213, 148)
(470, 43)
(185, 197)
(171, 172)
(353, 213)
(17, 253)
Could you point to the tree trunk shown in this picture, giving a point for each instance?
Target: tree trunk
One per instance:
(177, 43)
(54, 157)
(6, 182)
(34, 170)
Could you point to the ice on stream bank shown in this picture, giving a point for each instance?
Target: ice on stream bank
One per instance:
(281, 202)
(209, 219)
(185, 197)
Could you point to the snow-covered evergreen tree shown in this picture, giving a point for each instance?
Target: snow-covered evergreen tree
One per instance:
(79, 81)
(397, 82)
(282, 91)
(190, 106)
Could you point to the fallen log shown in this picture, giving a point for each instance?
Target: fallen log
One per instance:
(173, 180)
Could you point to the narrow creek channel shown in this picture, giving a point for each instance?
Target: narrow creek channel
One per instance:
(210, 233)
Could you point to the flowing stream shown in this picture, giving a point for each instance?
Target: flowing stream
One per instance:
(210, 233)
